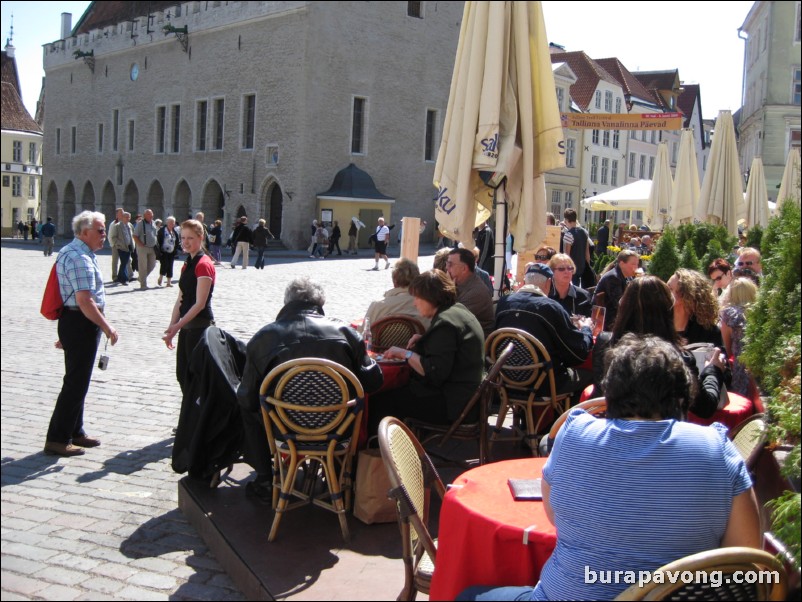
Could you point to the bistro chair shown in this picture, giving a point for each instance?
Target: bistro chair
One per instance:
(312, 410)
(459, 429)
(749, 437)
(712, 578)
(412, 478)
(595, 407)
(527, 385)
(393, 330)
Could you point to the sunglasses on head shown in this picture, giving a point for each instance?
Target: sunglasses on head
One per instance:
(541, 257)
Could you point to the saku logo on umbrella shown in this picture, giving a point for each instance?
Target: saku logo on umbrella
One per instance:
(444, 201)
(490, 147)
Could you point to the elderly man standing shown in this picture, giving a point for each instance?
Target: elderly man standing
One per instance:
(79, 328)
(471, 291)
(145, 238)
(121, 239)
(115, 257)
(300, 330)
(530, 309)
(382, 238)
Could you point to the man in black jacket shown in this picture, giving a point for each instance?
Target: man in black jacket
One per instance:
(242, 238)
(301, 330)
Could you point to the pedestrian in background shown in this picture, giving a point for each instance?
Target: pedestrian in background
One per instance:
(145, 240)
(242, 239)
(115, 257)
(260, 236)
(167, 239)
(48, 236)
(216, 241)
(121, 239)
(334, 239)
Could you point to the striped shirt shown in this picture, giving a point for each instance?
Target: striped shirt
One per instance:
(77, 270)
(633, 495)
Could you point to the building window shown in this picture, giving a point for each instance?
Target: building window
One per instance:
(31, 188)
(73, 139)
(131, 130)
(633, 134)
(32, 153)
(594, 169)
(219, 117)
(358, 127)
(7, 182)
(796, 89)
(16, 185)
(614, 173)
(569, 199)
(58, 141)
(654, 136)
(616, 138)
(16, 156)
(570, 152)
(560, 99)
(617, 105)
(431, 125)
(595, 137)
(115, 130)
(556, 204)
(606, 138)
(642, 168)
(176, 116)
(414, 9)
(605, 169)
(200, 125)
(631, 165)
(608, 101)
(598, 99)
(651, 168)
(161, 129)
(248, 120)
(100, 137)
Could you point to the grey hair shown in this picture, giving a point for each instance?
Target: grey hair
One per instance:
(537, 279)
(170, 218)
(303, 289)
(84, 220)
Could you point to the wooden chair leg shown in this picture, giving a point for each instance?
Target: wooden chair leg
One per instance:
(288, 480)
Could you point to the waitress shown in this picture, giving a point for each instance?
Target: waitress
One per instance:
(192, 312)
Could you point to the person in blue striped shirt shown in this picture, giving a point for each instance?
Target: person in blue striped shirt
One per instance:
(638, 489)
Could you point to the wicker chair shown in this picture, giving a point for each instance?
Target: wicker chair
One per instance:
(713, 578)
(522, 376)
(312, 410)
(749, 437)
(412, 477)
(393, 330)
(459, 429)
(596, 407)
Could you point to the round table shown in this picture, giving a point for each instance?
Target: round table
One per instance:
(485, 536)
(738, 409)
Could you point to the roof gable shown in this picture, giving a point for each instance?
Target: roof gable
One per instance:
(14, 114)
(632, 87)
(588, 72)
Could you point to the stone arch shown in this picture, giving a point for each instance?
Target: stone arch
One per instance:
(241, 212)
(68, 207)
(182, 201)
(108, 202)
(131, 198)
(213, 203)
(155, 199)
(88, 197)
(271, 205)
(51, 203)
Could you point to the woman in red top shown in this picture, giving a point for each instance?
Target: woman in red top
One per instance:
(192, 312)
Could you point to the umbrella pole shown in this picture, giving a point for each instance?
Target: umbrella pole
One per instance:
(501, 241)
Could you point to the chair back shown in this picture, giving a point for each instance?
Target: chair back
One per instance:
(711, 575)
(749, 437)
(529, 366)
(412, 477)
(596, 407)
(394, 330)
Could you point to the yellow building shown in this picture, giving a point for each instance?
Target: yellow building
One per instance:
(20, 153)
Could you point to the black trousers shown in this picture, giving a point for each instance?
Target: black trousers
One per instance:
(79, 337)
(187, 340)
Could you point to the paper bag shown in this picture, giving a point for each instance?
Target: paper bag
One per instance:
(371, 504)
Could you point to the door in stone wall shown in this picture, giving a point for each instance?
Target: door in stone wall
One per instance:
(274, 214)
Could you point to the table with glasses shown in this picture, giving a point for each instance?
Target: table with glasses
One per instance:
(736, 411)
(485, 536)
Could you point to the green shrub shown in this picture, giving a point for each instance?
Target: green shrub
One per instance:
(754, 237)
(714, 252)
(665, 259)
(688, 259)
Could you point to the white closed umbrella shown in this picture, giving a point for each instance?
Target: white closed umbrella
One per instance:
(634, 196)
(685, 194)
(789, 186)
(656, 213)
(757, 196)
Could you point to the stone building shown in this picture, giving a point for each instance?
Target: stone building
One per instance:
(246, 108)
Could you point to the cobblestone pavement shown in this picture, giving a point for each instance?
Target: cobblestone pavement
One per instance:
(106, 525)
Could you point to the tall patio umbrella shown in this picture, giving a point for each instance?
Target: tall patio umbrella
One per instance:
(722, 198)
(789, 186)
(502, 128)
(685, 195)
(757, 196)
(656, 213)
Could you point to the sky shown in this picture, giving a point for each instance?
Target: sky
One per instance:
(700, 39)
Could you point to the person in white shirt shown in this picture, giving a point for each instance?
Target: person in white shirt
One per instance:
(382, 237)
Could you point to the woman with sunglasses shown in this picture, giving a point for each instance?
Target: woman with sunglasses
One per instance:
(720, 273)
(574, 299)
(544, 254)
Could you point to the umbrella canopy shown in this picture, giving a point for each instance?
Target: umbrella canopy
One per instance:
(722, 198)
(656, 213)
(757, 196)
(632, 196)
(502, 121)
(789, 187)
(685, 195)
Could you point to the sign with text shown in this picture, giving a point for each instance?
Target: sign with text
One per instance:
(622, 121)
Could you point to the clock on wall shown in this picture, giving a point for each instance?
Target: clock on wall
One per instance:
(134, 72)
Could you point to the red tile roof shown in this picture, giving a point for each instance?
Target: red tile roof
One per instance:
(687, 100)
(14, 114)
(103, 14)
(588, 72)
(630, 84)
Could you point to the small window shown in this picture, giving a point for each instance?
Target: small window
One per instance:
(100, 137)
(556, 203)
(560, 99)
(161, 129)
(796, 87)
(271, 154)
(431, 125)
(131, 130)
(651, 167)
(606, 138)
(594, 169)
(569, 199)
(642, 167)
(618, 105)
(614, 173)
(16, 185)
(605, 168)
(358, 127)
(73, 139)
(595, 136)
(201, 114)
(616, 138)
(58, 141)
(176, 117)
(414, 9)
(598, 99)
(219, 119)
(31, 188)
(32, 153)
(570, 152)
(6, 181)
(632, 165)
(248, 120)
(608, 101)
(17, 152)
(115, 130)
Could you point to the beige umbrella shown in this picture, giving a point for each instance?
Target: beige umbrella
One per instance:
(685, 194)
(789, 187)
(502, 125)
(722, 198)
(757, 196)
(656, 213)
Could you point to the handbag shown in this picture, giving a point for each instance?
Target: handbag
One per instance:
(371, 504)
(52, 304)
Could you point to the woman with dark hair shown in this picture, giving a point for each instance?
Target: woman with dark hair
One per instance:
(646, 309)
(669, 488)
(695, 308)
(720, 273)
(447, 361)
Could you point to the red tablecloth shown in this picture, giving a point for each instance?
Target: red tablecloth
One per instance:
(481, 536)
(736, 411)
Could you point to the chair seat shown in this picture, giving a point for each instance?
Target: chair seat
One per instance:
(314, 446)
(424, 572)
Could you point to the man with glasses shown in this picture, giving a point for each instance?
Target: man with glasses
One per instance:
(79, 328)
(749, 258)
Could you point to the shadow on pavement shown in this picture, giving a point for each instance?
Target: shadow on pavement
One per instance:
(28, 468)
(131, 461)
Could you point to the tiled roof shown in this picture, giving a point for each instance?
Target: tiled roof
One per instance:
(14, 114)
(631, 85)
(654, 81)
(687, 100)
(588, 72)
(103, 14)
(8, 71)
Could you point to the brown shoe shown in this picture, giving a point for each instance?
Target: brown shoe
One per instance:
(55, 448)
(84, 441)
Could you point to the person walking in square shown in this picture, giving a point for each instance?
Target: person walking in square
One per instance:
(260, 236)
(121, 239)
(168, 241)
(145, 240)
(242, 238)
(334, 239)
(382, 236)
(48, 236)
